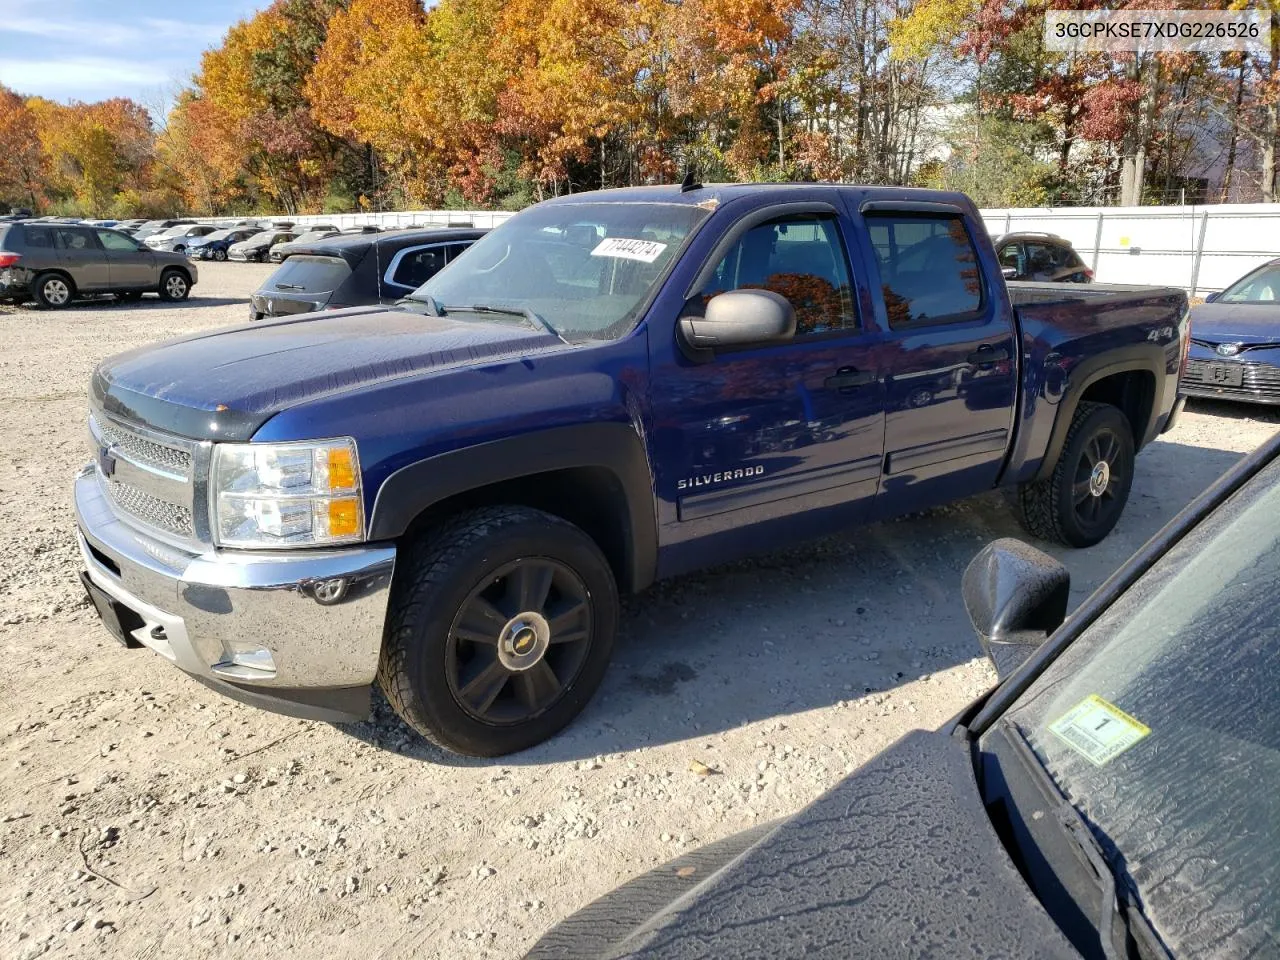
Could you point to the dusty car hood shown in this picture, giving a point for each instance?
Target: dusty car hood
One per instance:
(226, 384)
(1236, 322)
(899, 860)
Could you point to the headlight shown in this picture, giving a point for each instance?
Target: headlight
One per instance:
(286, 494)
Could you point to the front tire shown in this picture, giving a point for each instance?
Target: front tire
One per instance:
(1082, 500)
(220, 255)
(500, 629)
(174, 286)
(53, 291)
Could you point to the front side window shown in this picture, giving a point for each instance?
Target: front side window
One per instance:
(928, 267)
(116, 241)
(800, 258)
(1161, 723)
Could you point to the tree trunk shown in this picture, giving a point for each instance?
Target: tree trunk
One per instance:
(1224, 196)
(1271, 120)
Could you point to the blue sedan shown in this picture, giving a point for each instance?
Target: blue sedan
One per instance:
(1235, 341)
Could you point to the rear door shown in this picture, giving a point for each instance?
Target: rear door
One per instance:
(952, 371)
(83, 258)
(132, 265)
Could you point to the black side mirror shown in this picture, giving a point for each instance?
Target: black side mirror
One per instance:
(1016, 596)
(738, 318)
(1210, 297)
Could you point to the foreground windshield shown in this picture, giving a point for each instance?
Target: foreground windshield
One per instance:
(586, 268)
(1162, 725)
(1261, 286)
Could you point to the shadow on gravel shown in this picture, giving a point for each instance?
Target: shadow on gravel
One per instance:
(106, 303)
(801, 629)
(1231, 410)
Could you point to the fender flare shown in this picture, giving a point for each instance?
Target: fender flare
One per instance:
(615, 447)
(1140, 358)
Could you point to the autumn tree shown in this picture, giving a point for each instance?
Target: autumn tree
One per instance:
(22, 167)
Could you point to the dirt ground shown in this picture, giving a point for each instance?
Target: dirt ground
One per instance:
(141, 815)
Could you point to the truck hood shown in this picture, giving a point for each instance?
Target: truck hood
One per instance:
(899, 860)
(1236, 322)
(225, 384)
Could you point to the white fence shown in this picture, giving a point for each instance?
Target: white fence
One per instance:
(1200, 249)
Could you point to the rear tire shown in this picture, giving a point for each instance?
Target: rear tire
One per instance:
(175, 286)
(1082, 500)
(500, 629)
(53, 291)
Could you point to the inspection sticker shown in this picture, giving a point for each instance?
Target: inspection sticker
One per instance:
(1099, 730)
(646, 251)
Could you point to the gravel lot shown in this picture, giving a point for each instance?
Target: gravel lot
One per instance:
(143, 816)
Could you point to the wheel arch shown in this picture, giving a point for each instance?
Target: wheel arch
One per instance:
(175, 266)
(596, 476)
(1131, 384)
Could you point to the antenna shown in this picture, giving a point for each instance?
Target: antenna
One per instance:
(689, 182)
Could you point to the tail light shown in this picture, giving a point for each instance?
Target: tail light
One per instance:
(9, 259)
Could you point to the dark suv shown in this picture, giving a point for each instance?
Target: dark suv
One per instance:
(351, 270)
(54, 263)
(1045, 257)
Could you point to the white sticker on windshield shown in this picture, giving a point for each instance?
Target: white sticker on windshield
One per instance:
(646, 251)
(1098, 730)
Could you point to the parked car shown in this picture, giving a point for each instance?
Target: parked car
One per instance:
(363, 228)
(1043, 257)
(129, 226)
(1114, 796)
(606, 389)
(55, 264)
(356, 270)
(258, 246)
(1235, 341)
(179, 238)
(282, 251)
(214, 246)
(157, 226)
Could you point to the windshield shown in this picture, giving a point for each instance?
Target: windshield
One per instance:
(586, 268)
(1161, 723)
(1261, 286)
(262, 237)
(217, 235)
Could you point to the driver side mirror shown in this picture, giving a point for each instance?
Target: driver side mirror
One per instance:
(1008, 272)
(1210, 297)
(739, 318)
(1015, 596)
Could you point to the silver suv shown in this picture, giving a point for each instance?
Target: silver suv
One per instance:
(55, 263)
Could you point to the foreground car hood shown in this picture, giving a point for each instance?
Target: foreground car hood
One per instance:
(226, 384)
(899, 860)
(1236, 322)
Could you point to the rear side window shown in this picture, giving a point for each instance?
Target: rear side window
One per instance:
(928, 268)
(38, 238)
(68, 239)
(305, 274)
(416, 267)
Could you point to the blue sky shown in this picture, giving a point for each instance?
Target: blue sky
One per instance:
(94, 49)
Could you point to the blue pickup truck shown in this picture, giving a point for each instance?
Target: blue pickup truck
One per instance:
(447, 496)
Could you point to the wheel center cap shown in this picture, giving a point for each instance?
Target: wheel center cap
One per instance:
(1100, 478)
(524, 641)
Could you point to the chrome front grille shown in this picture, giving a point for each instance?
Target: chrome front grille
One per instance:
(154, 478)
(152, 510)
(1257, 379)
(144, 451)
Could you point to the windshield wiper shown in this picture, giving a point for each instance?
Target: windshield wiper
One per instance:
(533, 317)
(290, 286)
(433, 305)
(1117, 906)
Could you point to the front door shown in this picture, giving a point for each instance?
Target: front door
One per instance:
(81, 255)
(952, 363)
(133, 266)
(776, 432)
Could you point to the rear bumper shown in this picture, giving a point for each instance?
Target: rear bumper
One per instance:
(298, 634)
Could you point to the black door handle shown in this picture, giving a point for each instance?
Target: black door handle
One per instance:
(986, 354)
(847, 377)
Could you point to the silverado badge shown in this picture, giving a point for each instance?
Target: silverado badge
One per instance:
(711, 479)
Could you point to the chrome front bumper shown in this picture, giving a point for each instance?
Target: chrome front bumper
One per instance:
(299, 633)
